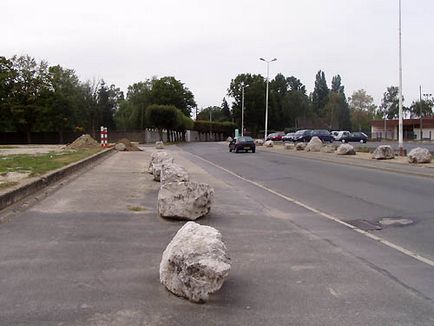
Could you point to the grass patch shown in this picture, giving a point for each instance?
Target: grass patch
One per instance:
(7, 147)
(39, 164)
(136, 208)
(4, 185)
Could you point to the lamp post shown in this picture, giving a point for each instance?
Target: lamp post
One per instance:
(242, 109)
(266, 95)
(400, 129)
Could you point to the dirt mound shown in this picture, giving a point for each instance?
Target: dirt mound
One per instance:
(128, 145)
(84, 141)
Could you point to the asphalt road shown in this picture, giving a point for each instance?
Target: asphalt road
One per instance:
(363, 197)
(89, 253)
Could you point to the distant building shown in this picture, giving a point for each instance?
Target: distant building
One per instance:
(388, 129)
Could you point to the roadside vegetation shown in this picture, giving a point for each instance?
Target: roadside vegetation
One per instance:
(37, 97)
(38, 164)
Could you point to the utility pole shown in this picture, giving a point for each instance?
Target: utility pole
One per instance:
(266, 95)
(400, 129)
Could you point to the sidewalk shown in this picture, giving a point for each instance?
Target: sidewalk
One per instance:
(89, 254)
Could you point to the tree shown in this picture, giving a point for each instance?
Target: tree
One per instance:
(62, 106)
(389, 107)
(337, 111)
(422, 108)
(226, 110)
(169, 91)
(363, 110)
(254, 101)
(7, 76)
(216, 114)
(162, 117)
(320, 95)
(31, 80)
(139, 98)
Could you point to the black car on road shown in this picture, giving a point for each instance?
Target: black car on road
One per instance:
(302, 136)
(244, 143)
(324, 135)
(356, 137)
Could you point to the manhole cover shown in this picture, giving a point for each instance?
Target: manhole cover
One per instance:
(395, 221)
(365, 225)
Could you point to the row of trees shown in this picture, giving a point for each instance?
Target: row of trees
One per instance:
(290, 107)
(37, 97)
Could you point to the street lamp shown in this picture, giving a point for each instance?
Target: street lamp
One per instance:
(242, 109)
(266, 95)
(400, 129)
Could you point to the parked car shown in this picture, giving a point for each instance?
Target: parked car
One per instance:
(289, 136)
(244, 143)
(302, 135)
(355, 136)
(338, 134)
(323, 134)
(275, 136)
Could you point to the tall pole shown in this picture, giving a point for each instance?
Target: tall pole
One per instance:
(242, 110)
(420, 111)
(266, 95)
(401, 146)
(210, 124)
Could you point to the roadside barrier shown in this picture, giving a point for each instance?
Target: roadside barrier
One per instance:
(104, 137)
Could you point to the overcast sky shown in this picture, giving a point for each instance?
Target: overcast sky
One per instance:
(205, 43)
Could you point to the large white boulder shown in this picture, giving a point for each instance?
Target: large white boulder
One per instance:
(259, 142)
(120, 147)
(185, 200)
(383, 152)
(269, 143)
(229, 139)
(345, 149)
(159, 157)
(159, 145)
(195, 263)
(419, 155)
(171, 172)
(314, 145)
(300, 146)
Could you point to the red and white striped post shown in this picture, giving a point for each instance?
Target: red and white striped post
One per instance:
(103, 137)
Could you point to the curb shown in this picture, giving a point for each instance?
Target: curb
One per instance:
(45, 180)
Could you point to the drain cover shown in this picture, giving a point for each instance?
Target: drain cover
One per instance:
(365, 225)
(395, 221)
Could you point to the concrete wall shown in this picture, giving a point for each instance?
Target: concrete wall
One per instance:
(427, 134)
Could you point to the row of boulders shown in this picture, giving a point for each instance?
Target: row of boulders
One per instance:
(382, 152)
(195, 263)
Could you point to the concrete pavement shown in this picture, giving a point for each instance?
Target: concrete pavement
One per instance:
(89, 255)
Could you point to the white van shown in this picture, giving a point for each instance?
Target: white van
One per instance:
(339, 134)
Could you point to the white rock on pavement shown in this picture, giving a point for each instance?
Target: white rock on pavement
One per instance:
(171, 172)
(419, 155)
(345, 149)
(259, 142)
(159, 157)
(314, 145)
(185, 200)
(269, 143)
(300, 146)
(383, 152)
(195, 264)
(159, 145)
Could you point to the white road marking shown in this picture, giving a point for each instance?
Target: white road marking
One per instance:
(328, 216)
